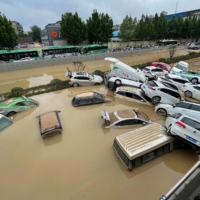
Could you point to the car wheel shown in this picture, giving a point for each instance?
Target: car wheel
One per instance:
(162, 111)
(97, 84)
(194, 81)
(188, 93)
(75, 85)
(155, 100)
(111, 86)
(118, 82)
(169, 130)
(11, 113)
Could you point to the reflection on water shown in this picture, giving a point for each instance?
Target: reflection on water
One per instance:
(80, 163)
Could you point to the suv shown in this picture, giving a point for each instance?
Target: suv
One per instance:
(89, 98)
(131, 94)
(83, 79)
(185, 128)
(159, 92)
(191, 109)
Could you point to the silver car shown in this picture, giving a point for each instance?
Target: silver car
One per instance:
(83, 79)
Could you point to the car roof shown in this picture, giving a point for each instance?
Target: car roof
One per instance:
(128, 113)
(84, 94)
(79, 73)
(160, 63)
(127, 88)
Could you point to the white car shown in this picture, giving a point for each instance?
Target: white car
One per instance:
(151, 71)
(191, 90)
(159, 93)
(131, 94)
(188, 108)
(185, 128)
(123, 118)
(24, 59)
(83, 79)
(180, 66)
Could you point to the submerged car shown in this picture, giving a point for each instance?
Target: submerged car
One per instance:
(4, 122)
(17, 104)
(126, 117)
(191, 90)
(83, 79)
(50, 124)
(131, 94)
(162, 66)
(90, 98)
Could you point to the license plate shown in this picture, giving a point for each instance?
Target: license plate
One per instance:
(190, 139)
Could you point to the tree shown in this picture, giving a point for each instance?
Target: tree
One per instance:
(24, 35)
(8, 37)
(35, 33)
(99, 27)
(172, 50)
(78, 66)
(127, 28)
(73, 29)
(172, 28)
(162, 26)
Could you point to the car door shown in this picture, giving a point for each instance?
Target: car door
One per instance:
(20, 106)
(182, 107)
(195, 111)
(196, 92)
(29, 104)
(85, 81)
(169, 96)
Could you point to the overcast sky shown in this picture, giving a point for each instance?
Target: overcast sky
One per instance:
(43, 12)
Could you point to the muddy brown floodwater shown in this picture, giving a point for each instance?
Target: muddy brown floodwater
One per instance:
(80, 163)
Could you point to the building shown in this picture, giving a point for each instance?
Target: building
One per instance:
(17, 27)
(181, 14)
(50, 35)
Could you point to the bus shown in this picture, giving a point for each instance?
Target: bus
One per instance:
(11, 55)
(141, 145)
(93, 49)
(166, 42)
(60, 50)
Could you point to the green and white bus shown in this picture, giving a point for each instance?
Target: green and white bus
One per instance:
(11, 55)
(93, 49)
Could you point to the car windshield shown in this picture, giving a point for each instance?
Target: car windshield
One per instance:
(141, 115)
(100, 96)
(8, 102)
(4, 122)
(91, 76)
(184, 68)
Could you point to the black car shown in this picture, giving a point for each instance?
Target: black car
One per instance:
(89, 98)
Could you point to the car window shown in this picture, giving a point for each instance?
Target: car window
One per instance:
(127, 122)
(29, 103)
(194, 124)
(176, 115)
(183, 105)
(169, 85)
(121, 93)
(84, 101)
(97, 100)
(171, 93)
(129, 94)
(179, 80)
(137, 97)
(195, 107)
(197, 87)
(152, 83)
(157, 70)
(20, 104)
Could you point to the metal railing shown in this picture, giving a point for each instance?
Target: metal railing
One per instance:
(180, 183)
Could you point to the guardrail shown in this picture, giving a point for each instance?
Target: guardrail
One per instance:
(186, 187)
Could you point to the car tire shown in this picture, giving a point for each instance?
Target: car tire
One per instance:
(118, 82)
(194, 81)
(155, 100)
(111, 86)
(188, 94)
(97, 84)
(11, 113)
(75, 85)
(169, 130)
(162, 112)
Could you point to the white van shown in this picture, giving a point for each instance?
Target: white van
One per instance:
(180, 66)
(122, 70)
(141, 145)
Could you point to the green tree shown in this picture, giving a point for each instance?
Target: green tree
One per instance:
(73, 29)
(172, 50)
(35, 33)
(162, 26)
(172, 28)
(193, 29)
(8, 37)
(24, 35)
(127, 28)
(99, 27)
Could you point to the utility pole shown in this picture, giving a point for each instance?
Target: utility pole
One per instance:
(176, 8)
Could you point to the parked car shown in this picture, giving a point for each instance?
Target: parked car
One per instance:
(188, 108)
(114, 82)
(159, 93)
(50, 124)
(90, 98)
(123, 118)
(191, 90)
(180, 66)
(83, 79)
(122, 70)
(162, 66)
(151, 71)
(131, 94)
(194, 46)
(4, 122)
(192, 76)
(17, 104)
(185, 128)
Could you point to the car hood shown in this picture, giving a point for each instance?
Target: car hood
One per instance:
(1, 105)
(109, 97)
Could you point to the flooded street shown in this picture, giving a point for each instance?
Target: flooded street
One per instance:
(80, 163)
